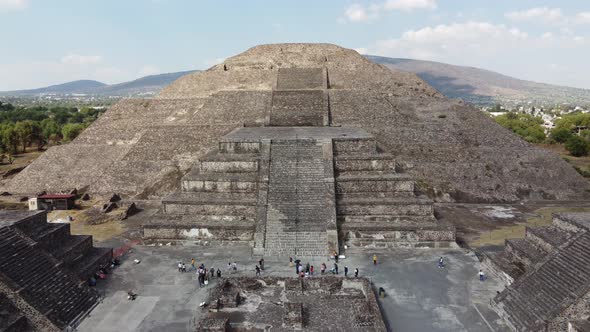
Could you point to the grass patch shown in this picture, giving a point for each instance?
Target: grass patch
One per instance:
(542, 217)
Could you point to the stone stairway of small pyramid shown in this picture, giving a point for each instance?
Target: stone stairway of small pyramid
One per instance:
(548, 273)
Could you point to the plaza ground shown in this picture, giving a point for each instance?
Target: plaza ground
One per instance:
(420, 296)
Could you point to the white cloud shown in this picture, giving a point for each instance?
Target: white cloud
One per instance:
(149, 70)
(451, 41)
(77, 59)
(358, 13)
(545, 14)
(583, 18)
(11, 5)
(409, 5)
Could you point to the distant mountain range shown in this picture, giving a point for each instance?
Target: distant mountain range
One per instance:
(142, 86)
(474, 85)
(480, 86)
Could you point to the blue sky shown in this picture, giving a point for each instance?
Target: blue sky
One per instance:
(49, 42)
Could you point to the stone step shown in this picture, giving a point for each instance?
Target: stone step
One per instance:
(92, 261)
(369, 162)
(73, 248)
(220, 182)
(352, 146)
(239, 146)
(228, 166)
(374, 184)
(525, 251)
(548, 238)
(384, 206)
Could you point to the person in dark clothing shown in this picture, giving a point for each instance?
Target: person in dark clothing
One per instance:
(336, 268)
(212, 271)
(261, 263)
(346, 271)
(307, 268)
(257, 271)
(218, 273)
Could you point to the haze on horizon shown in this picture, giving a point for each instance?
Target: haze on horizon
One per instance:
(111, 41)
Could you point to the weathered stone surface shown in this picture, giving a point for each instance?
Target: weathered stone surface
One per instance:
(144, 147)
(555, 286)
(310, 304)
(43, 269)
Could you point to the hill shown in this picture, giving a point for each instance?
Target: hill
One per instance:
(480, 86)
(145, 85)
(142, 147)
(74, 87)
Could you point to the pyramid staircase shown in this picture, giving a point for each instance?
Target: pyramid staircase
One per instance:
(47, 267)
(553, 275)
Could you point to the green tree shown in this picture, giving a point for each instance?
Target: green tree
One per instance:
(526, 126)
(572, 121)
(51, 130)
(10, 138)
(561, 135)
(71, 131)
(24, 131)
(577, 146)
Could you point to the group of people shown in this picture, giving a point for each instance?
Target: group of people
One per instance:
(203, 274)
(308, 270)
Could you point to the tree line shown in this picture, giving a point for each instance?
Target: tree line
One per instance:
(38, 126)
(572, 130)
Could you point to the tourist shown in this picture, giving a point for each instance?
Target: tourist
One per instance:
(183, 267)
(229, 266)
(335, 254)
(482, 276)
(307, 268)
(179, 266)
(441, 263)
(131, 295)
(257, 271)
(336, 268)
(356, 272)
(261, 263)
(311, 270)
(291, 261)
(297, 268)
(212, 272)
(193, 264)
(323, 268)
(234, 266)
(218, 273)
(346, 271)
(375, 259)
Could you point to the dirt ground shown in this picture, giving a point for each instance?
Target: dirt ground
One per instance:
(20, 160)
(480, 225)
(581, 162)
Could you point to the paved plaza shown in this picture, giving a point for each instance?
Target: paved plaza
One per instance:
(420, 296)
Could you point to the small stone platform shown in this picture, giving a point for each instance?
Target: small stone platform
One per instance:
(287, 304)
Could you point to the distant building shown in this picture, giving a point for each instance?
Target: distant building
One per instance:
(50, 202)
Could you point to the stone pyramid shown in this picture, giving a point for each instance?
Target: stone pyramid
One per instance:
(143, 147)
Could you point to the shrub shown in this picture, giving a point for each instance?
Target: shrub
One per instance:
(577, 146)
(561, 135)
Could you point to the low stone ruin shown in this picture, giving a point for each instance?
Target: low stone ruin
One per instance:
(286, 304)
(43, 270)
(548, 275)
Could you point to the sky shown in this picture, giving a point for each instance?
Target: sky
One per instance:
(49, 42)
